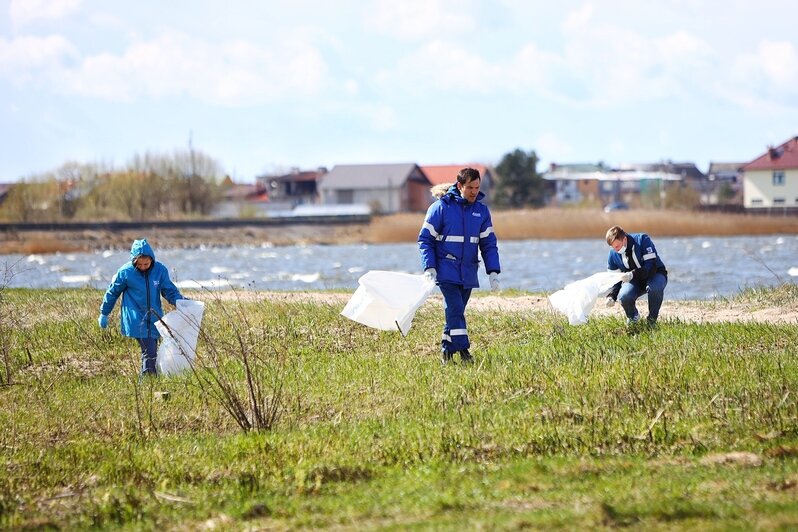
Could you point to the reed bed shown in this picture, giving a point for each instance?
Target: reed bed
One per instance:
(558, 223)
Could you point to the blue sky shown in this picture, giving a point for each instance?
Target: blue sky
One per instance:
(263, 86)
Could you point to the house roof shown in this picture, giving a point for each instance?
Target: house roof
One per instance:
(684, 170)
(447, 173)
(666, 170)
(715, 168)
(368, 176)
(780, 158)
(243, 191)
(295, 176)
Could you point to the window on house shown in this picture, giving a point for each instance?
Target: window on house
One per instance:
(756, 202)
(778, 177)
(779, 201)
(345, 196)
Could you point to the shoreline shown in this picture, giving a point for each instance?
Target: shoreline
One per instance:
(522, 224)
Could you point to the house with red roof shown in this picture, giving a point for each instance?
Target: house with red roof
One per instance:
(447, 173)
(771, 180)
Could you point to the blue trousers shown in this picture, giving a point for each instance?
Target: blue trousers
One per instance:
(149, 353)
(455, 334)
(630, 292)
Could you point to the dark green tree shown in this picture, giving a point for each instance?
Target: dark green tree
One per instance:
(518, 183)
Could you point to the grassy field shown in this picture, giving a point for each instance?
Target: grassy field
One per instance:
(298, 418)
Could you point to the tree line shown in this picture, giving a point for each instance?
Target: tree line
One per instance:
(189, 184)
(149, 187)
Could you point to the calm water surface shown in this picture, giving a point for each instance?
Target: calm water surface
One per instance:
(699, 267)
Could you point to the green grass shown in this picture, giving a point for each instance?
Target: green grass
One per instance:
(553, 427)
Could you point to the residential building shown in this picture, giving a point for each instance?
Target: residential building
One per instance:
(634, 184)
(385, 188)
(725, 184)
(576, 183)
(242, 200)
(298, 187)
(771, 180)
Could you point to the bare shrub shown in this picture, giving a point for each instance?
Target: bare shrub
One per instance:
(10, 320)
(242, 366)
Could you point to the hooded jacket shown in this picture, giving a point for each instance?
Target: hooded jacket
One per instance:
(640, 258)
(454, 233)
(141, 293)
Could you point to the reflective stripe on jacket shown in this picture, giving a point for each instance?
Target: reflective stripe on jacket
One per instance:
(640, 257)
(452, 237)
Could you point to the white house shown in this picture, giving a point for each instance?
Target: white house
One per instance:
(771, 180)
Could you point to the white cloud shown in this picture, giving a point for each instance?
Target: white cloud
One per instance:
(24, 58)
(413, 19)
(175, 64)
(441, 66)
(24, 11)
(599, 64)
(766, 78)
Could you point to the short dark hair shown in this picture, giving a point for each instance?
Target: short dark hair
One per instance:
(466, 175)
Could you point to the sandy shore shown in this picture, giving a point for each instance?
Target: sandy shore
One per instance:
(687, 311)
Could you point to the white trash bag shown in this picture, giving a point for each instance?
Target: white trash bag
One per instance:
(577, 299)
(388, 300)
(179, 332)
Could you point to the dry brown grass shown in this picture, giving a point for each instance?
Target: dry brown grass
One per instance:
(38, 245)
(551, 223)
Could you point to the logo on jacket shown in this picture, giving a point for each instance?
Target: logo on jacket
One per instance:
(649, 250)
(156, 283)
(477, 214)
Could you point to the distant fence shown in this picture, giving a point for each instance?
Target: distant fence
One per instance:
(759, 211)
(187, 224)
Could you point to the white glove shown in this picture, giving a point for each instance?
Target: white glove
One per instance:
(494, 281)
(627, 277)
(431, 274)
(609, 302)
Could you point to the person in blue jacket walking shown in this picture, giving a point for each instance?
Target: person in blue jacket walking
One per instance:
(141, 283)
(457, 228)
(635, 254)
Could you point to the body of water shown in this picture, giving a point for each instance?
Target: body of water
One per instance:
(699, 267)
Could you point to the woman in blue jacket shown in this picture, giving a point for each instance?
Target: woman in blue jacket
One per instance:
(141, 283)
(456, 229)
(635, 254)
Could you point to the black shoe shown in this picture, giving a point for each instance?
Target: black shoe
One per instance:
(465, 357)
(445, 358)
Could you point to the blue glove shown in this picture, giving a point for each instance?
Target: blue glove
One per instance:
(103, 321)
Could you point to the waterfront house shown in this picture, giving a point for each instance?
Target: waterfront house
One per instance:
(385, 188)
(771, 180)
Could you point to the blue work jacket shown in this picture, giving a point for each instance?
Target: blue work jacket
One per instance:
(454, 233)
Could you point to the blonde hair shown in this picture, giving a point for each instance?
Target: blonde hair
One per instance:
(615, 233)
